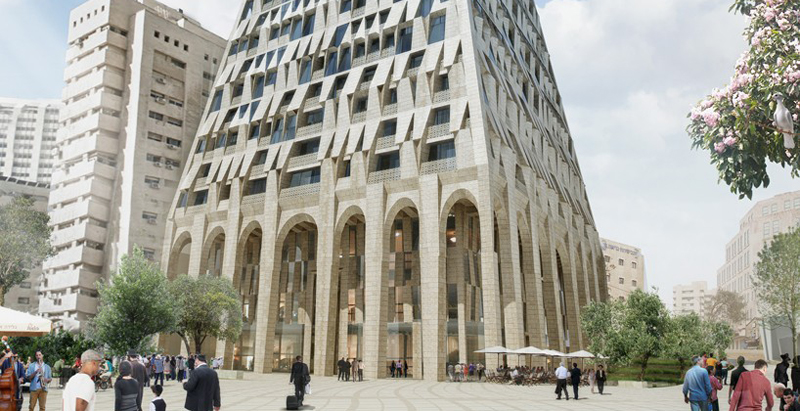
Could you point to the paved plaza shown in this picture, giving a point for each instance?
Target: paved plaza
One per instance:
(268, 392)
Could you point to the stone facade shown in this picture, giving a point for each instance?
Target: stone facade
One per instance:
(137, 78)
(27, 138)
(24, 297)
(388, 180)
(694, 297)
(767, 218)
(624, 269)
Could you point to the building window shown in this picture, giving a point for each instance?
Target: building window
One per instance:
(633, 264)
(305, 177)
(442, 151)
(23, 300)
(149, 253)
(437, 29)
(441, 116)
(200, 197)
(261, 157)
(25, 284)
(633, 283)
(621, 262)
(388, 161)
(621, 280)
(404, 43)
(257, 186)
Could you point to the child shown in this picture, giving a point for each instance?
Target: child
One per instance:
(158, 403)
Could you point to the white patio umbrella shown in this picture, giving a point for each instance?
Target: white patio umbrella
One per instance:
(19, 324)
(580, 354)
(530, 350)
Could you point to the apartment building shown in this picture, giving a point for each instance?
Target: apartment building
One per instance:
(624, 269)
(694, 297)
(24, 297)
(28, 138)
(756, 229)
(388, 180)
(138, 76)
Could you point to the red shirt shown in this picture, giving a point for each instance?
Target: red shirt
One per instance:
(750, 391)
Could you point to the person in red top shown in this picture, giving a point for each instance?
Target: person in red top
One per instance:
(752, 388)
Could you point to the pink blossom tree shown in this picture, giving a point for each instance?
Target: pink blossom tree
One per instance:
(734, 124)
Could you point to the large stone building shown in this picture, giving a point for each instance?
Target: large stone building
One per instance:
(766, 219)
(624, 269)
(388, 180)
(27, 138)
(138, 77)
(24, 297)
(694, 297)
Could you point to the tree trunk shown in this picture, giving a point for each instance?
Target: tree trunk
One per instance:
(2, 296)
(186, 343)
(794, 342)
(644, 368)
(198, 343)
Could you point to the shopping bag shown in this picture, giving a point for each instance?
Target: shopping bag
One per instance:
(308, 388)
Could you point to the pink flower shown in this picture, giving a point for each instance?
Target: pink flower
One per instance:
(729, 141)
(711, 117)
(719, 147)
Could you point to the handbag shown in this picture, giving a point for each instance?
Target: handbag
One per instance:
(308, 388)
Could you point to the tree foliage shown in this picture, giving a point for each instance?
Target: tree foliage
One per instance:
(24, 243)
(685, 338)
(57, 344)
(734, 124)
(727, 306)
(206, 306)
(777, 283)
(134, 307)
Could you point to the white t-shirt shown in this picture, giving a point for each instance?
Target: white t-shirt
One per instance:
(79, 386)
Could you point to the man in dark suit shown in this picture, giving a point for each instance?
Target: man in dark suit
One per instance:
(139, 373)
(575, 376)
(300, 378)
(202, 389)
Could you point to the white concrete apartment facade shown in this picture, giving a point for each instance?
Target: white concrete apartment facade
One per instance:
(137, 78)
(625, 270)
(25, 296)
(387, 180)
(766, 219)
(28, 131)
(694, 297)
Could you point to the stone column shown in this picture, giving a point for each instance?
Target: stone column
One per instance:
(224, 348)
(376, 287)
(327, 274)
(268, 279)
(492, 305)
(432, 282)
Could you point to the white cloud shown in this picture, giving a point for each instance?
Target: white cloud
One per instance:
(628, 71)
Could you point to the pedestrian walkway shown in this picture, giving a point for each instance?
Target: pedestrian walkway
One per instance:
(268, 392)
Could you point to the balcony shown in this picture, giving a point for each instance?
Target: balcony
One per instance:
(304, 190)
(412, 72)
(358, 12)
(254, 199)
(77, 232)
(359, 117)
(442, 96)
(385, 142)
(94, 187)
(302, 161)
(311, 102)
(438, 166)
(438, 130)
(77, 210)
(69, 302)
(364, 85)
(309, 131)
(374, 56)
(76, 255)
(358, 61)
(385, 175)
(61, 280)
(390, 109)
(317, 74)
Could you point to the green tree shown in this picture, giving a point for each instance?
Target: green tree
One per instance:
(735, 124)
(24, 243)
(134, 307)
(684, 338)
(777, 283)
(206, 306)
(57, 344)
(598, 321)
(718, 336)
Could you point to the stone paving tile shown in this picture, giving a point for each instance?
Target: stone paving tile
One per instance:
(268, 392)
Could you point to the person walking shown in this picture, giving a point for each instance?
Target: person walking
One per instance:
(592, 377)
(360, 371)
(781, 375)
(724, 372)
(561, 381)
(391, 367)
(341, 365)
(158, 370)
(715, 386)
(795, 374)
(450, 371)
(138, 373)
(354, 369)
(202, 389)
(10, 360)
(58, 371)
(735, 376)
(600, 376)
(158, 403)
(458, 371)
(190, 364)
(180, 364)
(40, 375)
(300, 377)
(399, 367)
(697, 386)
(751, 389)
(575, 374)
(405, 369)
(126, 390)
(167, 367)
(79, 394)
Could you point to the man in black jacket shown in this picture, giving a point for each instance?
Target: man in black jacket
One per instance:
(575, 376)
(300, 378)
(202, 389)
(600, 378)
(341, 364)
(139, 373)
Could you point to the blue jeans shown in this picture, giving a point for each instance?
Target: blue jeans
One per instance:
(699, 405)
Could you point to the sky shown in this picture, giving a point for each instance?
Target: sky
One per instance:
(628, 72)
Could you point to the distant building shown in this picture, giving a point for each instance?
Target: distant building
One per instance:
(692, 298)
(28, 131)
(24, 297)
(766, 219)
(138, 76)
(624, 269)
